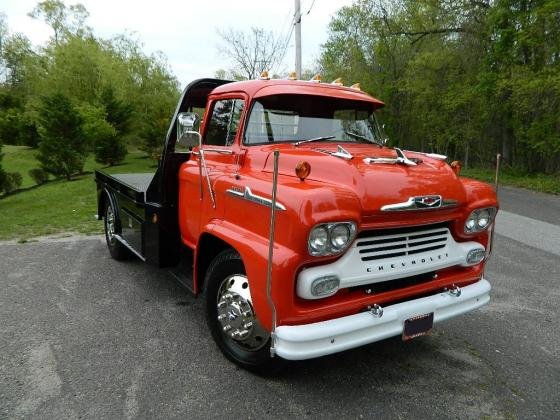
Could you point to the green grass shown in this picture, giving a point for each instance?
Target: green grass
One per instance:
(538, 182)
(57, 206)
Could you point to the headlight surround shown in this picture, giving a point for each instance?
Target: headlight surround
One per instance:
(330, 238)
(480, 219)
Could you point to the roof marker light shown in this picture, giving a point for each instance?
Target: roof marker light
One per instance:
(337, 82)
(265, 76)
(456, 166)
(316, 78)
(356, 86)
(292, 76)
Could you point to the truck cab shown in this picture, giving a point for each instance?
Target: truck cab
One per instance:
(280, 202)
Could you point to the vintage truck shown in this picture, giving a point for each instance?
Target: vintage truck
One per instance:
(280, 203)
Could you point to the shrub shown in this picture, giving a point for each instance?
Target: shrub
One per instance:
(12, 182)
(40, 176)
(63, 149)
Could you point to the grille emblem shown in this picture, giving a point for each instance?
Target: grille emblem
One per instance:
(431, 201)
(422, 202)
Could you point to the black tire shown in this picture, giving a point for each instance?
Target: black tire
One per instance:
(117, 250)
(227, 264)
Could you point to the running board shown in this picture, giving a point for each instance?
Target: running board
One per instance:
(129, 247)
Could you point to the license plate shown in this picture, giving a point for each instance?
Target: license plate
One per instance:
(418, 326)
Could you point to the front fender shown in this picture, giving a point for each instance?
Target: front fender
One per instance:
(253, 250)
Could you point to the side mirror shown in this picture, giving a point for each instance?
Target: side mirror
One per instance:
(187, 130)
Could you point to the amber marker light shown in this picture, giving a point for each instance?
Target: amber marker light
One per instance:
(337, 82)
(303, 169)
(456, 166)
(265, 76)
(292, 76)
(356, 86)
(316, 78)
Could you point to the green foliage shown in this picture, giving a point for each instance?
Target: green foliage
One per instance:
(467, 79)
(11, 182)
(40, 176)
(63, 149)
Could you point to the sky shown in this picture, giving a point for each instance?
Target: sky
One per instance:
(186, 31)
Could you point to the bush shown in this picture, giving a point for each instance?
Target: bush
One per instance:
(12, 182)
(39, 176)
(63, 149)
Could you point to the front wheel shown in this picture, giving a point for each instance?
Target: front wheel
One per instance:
(231, 317)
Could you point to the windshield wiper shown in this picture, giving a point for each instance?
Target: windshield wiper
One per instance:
(314, 139)
(359, 137)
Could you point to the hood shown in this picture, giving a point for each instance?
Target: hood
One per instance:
(376, 184)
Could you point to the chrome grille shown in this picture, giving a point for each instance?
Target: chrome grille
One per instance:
(409, 241)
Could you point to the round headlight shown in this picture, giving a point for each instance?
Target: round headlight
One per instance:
(483, 219)
(340, 235)
(318, 239)
(480, 219)
(471, 222)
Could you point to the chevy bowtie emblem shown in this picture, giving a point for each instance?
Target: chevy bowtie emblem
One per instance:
(423, 202)
(431, 201)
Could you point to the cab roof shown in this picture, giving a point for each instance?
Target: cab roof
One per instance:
(260, 88)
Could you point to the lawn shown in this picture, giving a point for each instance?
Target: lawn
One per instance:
(58, 206)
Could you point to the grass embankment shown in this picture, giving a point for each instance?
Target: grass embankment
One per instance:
(57, 206)
(539, 182)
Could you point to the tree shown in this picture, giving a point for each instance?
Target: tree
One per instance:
(62, 149)
(252, 52)
(63, 20)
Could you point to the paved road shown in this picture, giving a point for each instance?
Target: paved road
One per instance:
(82, 335)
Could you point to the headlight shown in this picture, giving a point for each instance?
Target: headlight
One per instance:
(479, 220)
(330, 238)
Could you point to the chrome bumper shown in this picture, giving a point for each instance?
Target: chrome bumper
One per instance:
(299, 342)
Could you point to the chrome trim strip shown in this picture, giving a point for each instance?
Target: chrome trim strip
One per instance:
(249, 196)
(416, 203)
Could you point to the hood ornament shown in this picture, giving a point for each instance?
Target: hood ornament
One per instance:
(424, 202)
(400, 159)
(341, 152)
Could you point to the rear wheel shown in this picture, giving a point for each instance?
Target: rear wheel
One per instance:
(117, 250)
(231, 317)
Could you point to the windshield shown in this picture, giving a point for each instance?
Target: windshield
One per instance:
(295, 118)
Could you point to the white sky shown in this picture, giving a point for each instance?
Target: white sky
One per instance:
(185, 31)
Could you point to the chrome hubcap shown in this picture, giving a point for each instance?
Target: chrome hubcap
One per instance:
(236, 315)
(110, 221)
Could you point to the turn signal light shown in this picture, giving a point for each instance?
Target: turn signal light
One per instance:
(456, 166)
(303, 169)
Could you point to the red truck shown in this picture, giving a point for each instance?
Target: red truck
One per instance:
(280, 203)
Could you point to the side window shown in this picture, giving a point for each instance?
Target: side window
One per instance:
(224, 123)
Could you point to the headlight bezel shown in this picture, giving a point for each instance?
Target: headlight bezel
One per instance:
(330, 248)
(472, 223)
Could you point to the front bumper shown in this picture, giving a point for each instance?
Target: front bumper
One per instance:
(299, 342)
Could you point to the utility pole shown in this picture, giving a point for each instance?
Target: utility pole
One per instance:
(297, 20)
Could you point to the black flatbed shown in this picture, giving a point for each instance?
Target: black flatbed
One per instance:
(133, 186)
